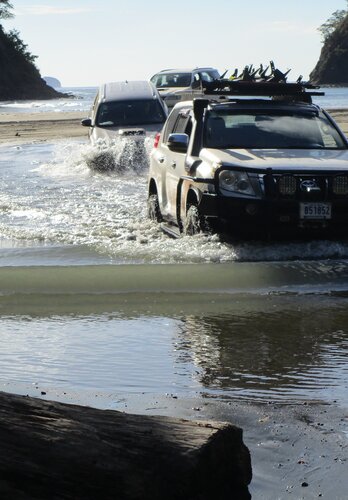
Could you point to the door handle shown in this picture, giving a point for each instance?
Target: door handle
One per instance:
(173, 164)
(161, 159)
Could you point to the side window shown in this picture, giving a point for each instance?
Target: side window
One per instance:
(205, 76)
(188, 128)
(169, 127)
(179, 122)
(183, 124)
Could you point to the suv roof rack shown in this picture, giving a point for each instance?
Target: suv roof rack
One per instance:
(230, 87)
(256, 82)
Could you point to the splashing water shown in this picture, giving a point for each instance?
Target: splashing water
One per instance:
(50, 195)
(122, 155)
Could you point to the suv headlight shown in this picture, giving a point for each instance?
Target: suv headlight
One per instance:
(237, 182)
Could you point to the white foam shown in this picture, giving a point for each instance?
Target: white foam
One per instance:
(107, 212)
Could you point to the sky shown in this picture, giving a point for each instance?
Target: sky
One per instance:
(88, 42)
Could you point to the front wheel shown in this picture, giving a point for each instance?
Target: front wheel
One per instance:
(153, 209)
(194, 221)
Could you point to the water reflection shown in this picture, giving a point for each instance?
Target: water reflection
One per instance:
(277, 354)
(267, 348)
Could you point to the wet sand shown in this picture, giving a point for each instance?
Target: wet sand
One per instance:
(47, 126)
(298, 451)
(41, 127)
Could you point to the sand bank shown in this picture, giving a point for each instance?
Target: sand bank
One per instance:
(38, 127)
(47, 126)
(341, 117)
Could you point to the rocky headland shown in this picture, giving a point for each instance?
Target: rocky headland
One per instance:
(332, 67)
(19, 77)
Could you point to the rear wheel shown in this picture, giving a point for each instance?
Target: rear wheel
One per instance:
(153, 209)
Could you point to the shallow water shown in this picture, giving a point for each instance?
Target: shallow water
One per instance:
(81, 100)
(96, 301)
(259, 348)
(53, 205)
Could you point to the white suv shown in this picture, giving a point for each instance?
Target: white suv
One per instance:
(127, 108)
(250, 166)
(176, 85)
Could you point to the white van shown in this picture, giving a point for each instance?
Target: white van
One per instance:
(125, 109)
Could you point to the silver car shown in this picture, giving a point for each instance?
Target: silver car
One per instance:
(125, 109)
(176, 85)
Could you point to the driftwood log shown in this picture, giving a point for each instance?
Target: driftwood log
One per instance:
(50, 450)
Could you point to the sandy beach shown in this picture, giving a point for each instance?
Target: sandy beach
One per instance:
(38, 127)
(341, 117)
(47, 126)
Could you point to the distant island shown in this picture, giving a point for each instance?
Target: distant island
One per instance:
(332, 67)
(52, 82)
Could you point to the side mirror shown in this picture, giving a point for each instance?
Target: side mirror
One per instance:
(178, 142)
(87, 122)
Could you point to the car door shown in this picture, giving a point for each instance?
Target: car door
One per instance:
(175, 165)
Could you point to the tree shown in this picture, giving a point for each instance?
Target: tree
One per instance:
(20, 47)
(13, 35)
(5, 9)
(327, 28)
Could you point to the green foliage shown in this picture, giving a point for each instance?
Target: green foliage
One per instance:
(18, 44)
(5, 9)
(13, 35)
(327, 28)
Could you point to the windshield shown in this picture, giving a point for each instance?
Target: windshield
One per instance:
(270, 129)
(123, 113)
(172, 80)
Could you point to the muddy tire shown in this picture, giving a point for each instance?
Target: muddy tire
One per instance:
(153, 209)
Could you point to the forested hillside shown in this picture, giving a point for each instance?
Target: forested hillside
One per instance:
(332, 67)
(19, 77)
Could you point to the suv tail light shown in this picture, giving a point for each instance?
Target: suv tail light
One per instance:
(157, 139)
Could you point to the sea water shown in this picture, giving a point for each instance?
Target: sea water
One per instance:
(99, 307)
(77, 99)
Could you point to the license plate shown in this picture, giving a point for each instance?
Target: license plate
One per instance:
(315, 210)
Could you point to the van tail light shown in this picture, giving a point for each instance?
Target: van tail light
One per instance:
(157, 139)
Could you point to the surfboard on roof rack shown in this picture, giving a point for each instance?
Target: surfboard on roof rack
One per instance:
(256, 82)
